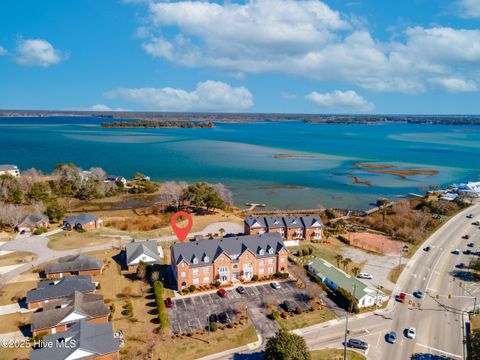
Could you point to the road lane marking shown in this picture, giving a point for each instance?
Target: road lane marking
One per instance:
(440, 351)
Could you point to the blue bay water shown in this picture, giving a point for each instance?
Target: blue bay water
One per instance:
(242, 155)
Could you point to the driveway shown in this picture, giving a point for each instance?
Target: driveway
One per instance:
(377, 265)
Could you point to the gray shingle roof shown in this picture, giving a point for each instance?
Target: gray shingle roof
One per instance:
(33, 219)
(82, 219)
(74, 263)
(60, 288)
(94, 338)
(276, 222)
(90, 305)
(8, 167)
(136, 248)
(232, 246)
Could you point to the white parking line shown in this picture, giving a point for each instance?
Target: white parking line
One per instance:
(440, 351)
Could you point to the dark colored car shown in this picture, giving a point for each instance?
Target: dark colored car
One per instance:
(400, 297)
(470, 244)
(391, 337)
(426, 248)
(419, 294)
(213, 318)
(460, 266)
(222, 293)
(168, 303)
(467, 252)
(241, 290)
(357, 344)
(288, 306)
(466, 237)
(223, 318)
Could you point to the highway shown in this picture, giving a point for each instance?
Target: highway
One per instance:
(438, 319)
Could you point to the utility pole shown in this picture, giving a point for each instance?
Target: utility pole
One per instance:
(346, 323)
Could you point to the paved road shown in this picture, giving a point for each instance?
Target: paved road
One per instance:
(438, 321)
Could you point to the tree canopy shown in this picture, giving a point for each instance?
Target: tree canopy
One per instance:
(286, 346)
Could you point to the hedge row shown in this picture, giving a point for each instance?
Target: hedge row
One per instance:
(161, 308)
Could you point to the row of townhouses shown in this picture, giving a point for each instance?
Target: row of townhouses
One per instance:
(289, 227)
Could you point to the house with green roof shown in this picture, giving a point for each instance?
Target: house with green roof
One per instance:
(334, 278)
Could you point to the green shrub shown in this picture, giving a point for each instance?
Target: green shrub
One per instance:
(284, 314)
(127, 309)
(298, 310)
(275, 315)
(213, 326)
(158, 291)
(192, 288)
(40, 231)
(255, 278)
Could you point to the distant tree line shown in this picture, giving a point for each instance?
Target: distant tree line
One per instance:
(158, 124)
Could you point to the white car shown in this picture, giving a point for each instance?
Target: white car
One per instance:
(411, 333)
(364, 275)
(276, 285)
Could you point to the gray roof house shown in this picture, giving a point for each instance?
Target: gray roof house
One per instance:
(75, 307)
(74, 263)
(201, 253)
(256, 222)
(81, 220)
(91, 340)
(145, 251)
(60, 288)
(274, 222)
(32, 221)
(8, 169)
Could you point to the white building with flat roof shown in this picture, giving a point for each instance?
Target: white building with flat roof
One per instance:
(9, 170)
(471, 189)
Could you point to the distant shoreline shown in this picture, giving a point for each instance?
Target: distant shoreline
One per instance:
(157, 124)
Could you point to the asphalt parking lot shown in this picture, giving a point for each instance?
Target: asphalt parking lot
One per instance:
(192, 313)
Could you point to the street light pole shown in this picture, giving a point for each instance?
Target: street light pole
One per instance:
(346, 323)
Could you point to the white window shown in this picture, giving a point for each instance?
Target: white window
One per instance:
(183, 274)
(206, 280)
(270, 251)
(206, 259)
(195, 271)
(223, 269)
(261, 252)
(206, 270)
(195, 281)
(270, 270)
(261, 263)
(144, 257)
(270, 261)
(261, 271)
(195, 260)
(282, 260)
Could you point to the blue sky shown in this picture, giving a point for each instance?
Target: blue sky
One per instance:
(364, 56)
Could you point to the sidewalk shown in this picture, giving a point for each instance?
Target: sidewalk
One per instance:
(227, 353)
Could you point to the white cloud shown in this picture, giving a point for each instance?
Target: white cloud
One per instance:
(37, 52)
(455, 84)
(469, 8)
(102, 107)
(207, 96)
(341, 101)
(307, 38)
(288, 96)
(2, 51)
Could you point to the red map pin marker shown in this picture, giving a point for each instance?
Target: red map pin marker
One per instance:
(181, 233)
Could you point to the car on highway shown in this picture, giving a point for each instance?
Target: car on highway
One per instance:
(456, 252)
(467, 252)
(400, 297)
(222, 293)
(365, 275)
(276, 285)
(470, 216)
(241, 290)
(476, 222)
(470, 244)
(426, 248)
(411, 332)
(419, 294)
(391, 337)
(357, 344)
(460, 266)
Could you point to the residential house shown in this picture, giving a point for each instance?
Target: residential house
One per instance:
(9, 170)
(74, 265)
(82, 221)
(31, 222)
(471, 189)
(83, 340)
(56, 289)
(228, 259)
(364, 294)
(142, 251)
(116, 179)
(58, 316)
(290, 227)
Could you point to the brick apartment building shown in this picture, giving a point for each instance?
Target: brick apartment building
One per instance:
(290, 227)
(228, 259)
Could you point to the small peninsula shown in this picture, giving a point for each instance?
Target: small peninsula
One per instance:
(158, 124)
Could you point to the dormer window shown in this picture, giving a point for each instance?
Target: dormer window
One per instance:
(261, 252)
(206, 259)
(270, 251)
(276, 222)
(195, 260)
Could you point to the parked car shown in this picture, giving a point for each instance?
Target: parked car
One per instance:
(470, 244)
(275, 285)
(467, 252)
(476, 222)
(357, 344)
(470, 216)
(213, 318)
(460, 266)
(466, 237)
(364, 275)
(419, 294)
(23, 232)
(400, 297)
(426, 248)
(391, 337)
(168, 303)
(288, 306)
(222, 293)
(410, 333)
(456, 252)
(241, 290)
(224, 318)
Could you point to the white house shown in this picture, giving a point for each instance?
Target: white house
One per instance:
(142, 251)
(471, 189)
(9, 170)
(334, 278)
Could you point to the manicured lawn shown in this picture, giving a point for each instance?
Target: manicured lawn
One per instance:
(11, 322)
(394, 274)
(306, 319)
(16, 257)
(67, 240)
(18, 289)
(335, 354)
